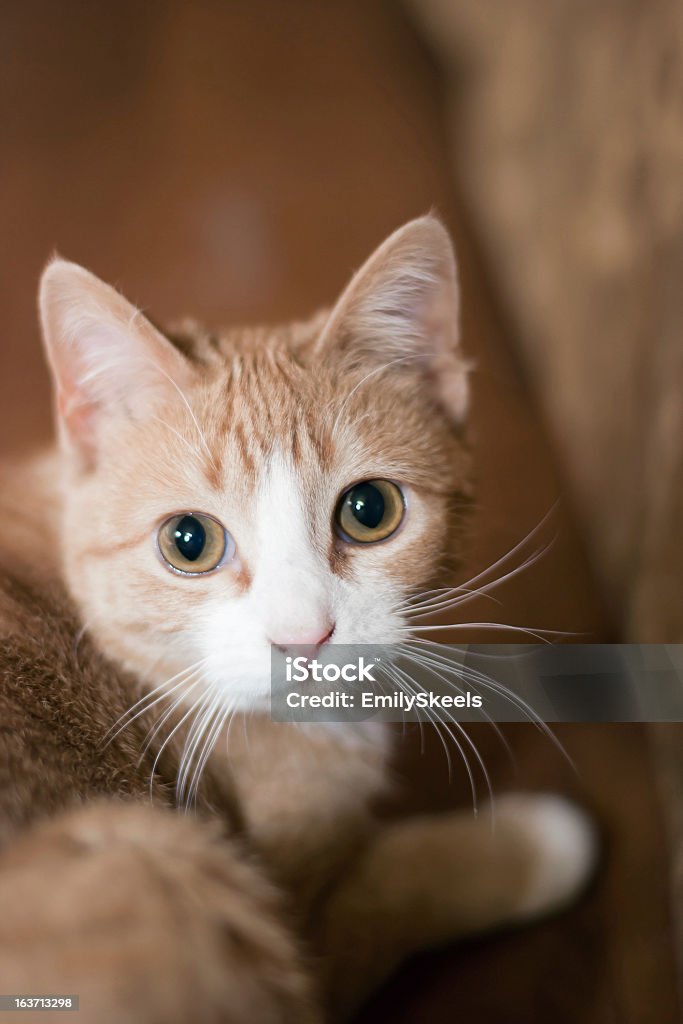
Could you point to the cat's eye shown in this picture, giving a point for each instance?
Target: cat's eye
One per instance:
(370, 511)
(193, 543)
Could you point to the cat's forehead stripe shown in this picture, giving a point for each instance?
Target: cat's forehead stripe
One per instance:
(265, 406)
(243, 448)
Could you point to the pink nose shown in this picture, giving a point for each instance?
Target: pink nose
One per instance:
(302, 638)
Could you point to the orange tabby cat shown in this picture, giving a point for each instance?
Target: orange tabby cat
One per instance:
(213, 494)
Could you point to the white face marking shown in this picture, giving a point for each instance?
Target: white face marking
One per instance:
(294, 597)
(292, 586)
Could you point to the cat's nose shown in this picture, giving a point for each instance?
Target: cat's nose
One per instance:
(289, 640)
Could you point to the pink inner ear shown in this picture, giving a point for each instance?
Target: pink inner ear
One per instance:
(77, 418)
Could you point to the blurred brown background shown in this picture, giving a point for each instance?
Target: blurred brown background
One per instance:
(566, 133)
(237, 161)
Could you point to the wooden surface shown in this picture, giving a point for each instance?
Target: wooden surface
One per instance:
(237, 161)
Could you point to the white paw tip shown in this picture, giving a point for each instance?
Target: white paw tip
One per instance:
(564, 844)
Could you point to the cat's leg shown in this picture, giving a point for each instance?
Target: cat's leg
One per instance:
(148, 916)
(427, 881)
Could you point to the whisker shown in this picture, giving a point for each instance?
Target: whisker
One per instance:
(376, 370)
(432, 603)
(483, 591)
(245, 729)
(468, 739)
(472, 745)
(189, 685)
(213, 732)
(192, 739)
(537, 632)
(148, 700)
(487, 682)
(190, 410)
(191, 710)
(195, 451)
(430, 599)
(517, 547)
(422, 659)
(400, 680)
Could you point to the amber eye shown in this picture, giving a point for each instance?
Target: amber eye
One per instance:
(370, 511)
(193, 543)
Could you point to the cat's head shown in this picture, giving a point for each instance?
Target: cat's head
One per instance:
(225, 492)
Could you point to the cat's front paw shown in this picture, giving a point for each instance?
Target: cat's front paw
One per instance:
(562, 844)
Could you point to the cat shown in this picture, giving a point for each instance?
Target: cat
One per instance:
(167, 851)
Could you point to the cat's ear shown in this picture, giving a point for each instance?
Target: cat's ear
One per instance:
(402, 309)
(106, 358)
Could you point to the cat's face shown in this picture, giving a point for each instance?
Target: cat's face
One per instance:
(223, 493)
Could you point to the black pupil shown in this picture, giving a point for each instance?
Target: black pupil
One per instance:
(190, 538)
(367, 505)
